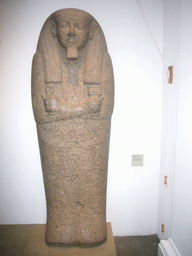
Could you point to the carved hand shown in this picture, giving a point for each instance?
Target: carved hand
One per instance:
(94, 104)
(52, 103)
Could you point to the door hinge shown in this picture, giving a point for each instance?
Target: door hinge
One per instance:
(166, 181)
(170, 75)
(162, 228)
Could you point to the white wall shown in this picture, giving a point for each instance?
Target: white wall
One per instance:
(132, 191)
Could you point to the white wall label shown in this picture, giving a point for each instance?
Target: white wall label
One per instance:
(137, 160)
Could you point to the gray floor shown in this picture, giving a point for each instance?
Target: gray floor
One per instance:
(136, 245)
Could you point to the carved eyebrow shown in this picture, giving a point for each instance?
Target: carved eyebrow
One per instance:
(72, 19)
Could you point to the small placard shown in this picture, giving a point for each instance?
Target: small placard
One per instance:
(137, 160)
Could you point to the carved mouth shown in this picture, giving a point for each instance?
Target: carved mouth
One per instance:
(72, 39)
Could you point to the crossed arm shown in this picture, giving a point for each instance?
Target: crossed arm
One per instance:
(51, 108)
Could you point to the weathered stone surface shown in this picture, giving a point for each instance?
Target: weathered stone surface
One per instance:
(72, 95)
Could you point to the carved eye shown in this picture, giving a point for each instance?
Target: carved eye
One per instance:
(81, 26)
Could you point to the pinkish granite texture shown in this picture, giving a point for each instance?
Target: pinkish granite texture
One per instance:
(72, 95)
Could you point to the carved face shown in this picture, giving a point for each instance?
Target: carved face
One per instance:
(73, 31)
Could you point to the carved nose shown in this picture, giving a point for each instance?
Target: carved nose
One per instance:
(71, 32)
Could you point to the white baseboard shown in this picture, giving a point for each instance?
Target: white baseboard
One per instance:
(167, 248)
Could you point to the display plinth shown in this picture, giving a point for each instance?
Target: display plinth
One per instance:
(30, 240)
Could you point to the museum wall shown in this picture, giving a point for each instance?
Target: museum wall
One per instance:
(132, 194)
